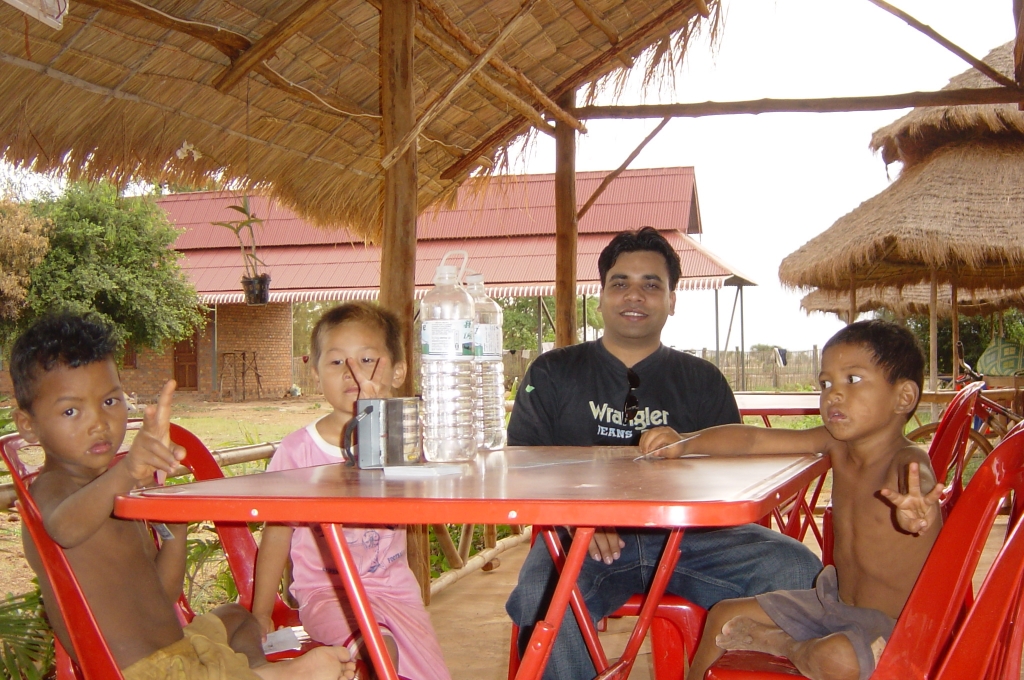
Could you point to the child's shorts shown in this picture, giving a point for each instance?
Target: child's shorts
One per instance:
(203, 654)
(809, 614)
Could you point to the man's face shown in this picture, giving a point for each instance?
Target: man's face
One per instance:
(636, 300)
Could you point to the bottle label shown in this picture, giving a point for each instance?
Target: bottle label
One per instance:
(447, 338)
(488, 340)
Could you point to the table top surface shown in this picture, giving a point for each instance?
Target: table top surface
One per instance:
(777, 403)
(583, 486)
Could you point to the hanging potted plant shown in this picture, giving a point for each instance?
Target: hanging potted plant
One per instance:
(255, 285)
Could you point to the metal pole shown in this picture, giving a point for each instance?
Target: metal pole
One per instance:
(213, 360)
(540, 325)
(718, 324)
(743, 345)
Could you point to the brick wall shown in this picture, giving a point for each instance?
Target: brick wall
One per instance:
(267, 331)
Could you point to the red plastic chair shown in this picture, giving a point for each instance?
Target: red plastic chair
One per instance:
(674, 633)
(936, 607)
(95, 660)
(948, 449)
(989, 642)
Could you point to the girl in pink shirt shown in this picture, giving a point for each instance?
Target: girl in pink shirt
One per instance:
(356, 349)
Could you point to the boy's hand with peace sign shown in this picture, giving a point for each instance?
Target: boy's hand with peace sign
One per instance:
(152, 449)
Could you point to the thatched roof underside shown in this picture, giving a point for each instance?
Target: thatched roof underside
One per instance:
(961, 213)
(913, 300)
(911, 138)
(126, 97)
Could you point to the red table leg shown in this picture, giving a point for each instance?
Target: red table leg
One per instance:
(622, 667)
(360, 604)
(544, 632)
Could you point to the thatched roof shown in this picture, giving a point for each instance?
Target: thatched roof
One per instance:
(128, 89)
(913, 300)
(961, 213)
(911, 138)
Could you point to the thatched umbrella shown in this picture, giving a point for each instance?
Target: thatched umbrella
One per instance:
(912, 300)
(955, 214)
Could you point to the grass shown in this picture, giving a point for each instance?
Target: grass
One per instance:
(220, 432)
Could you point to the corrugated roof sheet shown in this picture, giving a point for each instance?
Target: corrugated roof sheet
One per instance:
(508, 230)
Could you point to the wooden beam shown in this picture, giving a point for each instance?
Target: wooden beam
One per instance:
(945, 42)
(427, 37)
(531, 88)
(437, 106)
(610, 31)
(961, 97)
(565, 229)
(1018, 43)
(265, 47)
(610, 177)
(228, 43)
(681, 10)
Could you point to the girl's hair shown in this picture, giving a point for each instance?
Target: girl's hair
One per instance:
(367, 313)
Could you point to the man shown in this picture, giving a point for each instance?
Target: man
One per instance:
(607, 392)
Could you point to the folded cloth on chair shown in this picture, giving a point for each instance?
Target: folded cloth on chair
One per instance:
(203, 654)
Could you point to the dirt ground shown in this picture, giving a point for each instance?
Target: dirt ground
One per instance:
(220, 424)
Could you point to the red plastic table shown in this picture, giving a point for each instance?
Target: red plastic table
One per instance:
(578, 486)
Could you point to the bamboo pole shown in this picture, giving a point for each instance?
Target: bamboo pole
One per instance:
(955, 309)
(265, 47)
(438, 105)
(478, 562)
(599, 22)
(444, 540)
(565, 229)
(619, 170)
(679, 11)
(958, 97)
(978, 64)
(514, 74)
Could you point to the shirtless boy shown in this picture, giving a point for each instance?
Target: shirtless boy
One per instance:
(70, 402)
(870, 384)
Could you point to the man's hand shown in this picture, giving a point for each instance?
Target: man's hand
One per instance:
(659, 437)
(152, 449)
(915, 512)
(606, 546)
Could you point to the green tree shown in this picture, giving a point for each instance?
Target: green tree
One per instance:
(304, 317)
(112, 256)
(520, 320)
(22, 247)
(975, 333)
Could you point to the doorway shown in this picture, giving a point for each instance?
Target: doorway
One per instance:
(186, 363)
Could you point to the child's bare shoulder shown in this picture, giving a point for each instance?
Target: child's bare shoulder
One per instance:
(50, 488)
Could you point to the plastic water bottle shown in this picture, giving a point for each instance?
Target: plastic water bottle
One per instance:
(488, 369)
(446, 316)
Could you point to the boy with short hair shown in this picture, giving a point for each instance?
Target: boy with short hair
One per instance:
(70, 402)
(871, 378)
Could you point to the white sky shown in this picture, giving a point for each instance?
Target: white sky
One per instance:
(767, 184)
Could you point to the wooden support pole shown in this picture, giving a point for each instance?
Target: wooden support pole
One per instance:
(467, 42)
(959, 97)
(398, 249)
(978, 64)
(466, 541)
(610, 177)
(565, 229)
(438, 105)
(267, 46)
(933, 341)
(680, 11)
(1018, 45)
(451, 553)
(955, 309)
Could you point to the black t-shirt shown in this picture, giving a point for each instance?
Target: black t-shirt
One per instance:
(574, 396)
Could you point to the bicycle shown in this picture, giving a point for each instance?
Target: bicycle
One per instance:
(995, 419)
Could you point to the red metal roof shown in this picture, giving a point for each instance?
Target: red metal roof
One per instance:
(507, 228)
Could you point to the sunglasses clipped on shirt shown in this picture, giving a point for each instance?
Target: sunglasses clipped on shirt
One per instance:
(632, 405)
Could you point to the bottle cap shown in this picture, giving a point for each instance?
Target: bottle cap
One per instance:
(446, 272)
(475, 278)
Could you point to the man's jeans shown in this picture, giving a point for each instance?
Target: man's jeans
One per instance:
(714, 564)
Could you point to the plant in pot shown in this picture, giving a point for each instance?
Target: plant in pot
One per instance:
(255, 285)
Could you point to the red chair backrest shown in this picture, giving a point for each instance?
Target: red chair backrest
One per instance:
(988, 643)
(235, 538)
(950, 441)
(94, 657)
(926, 626)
